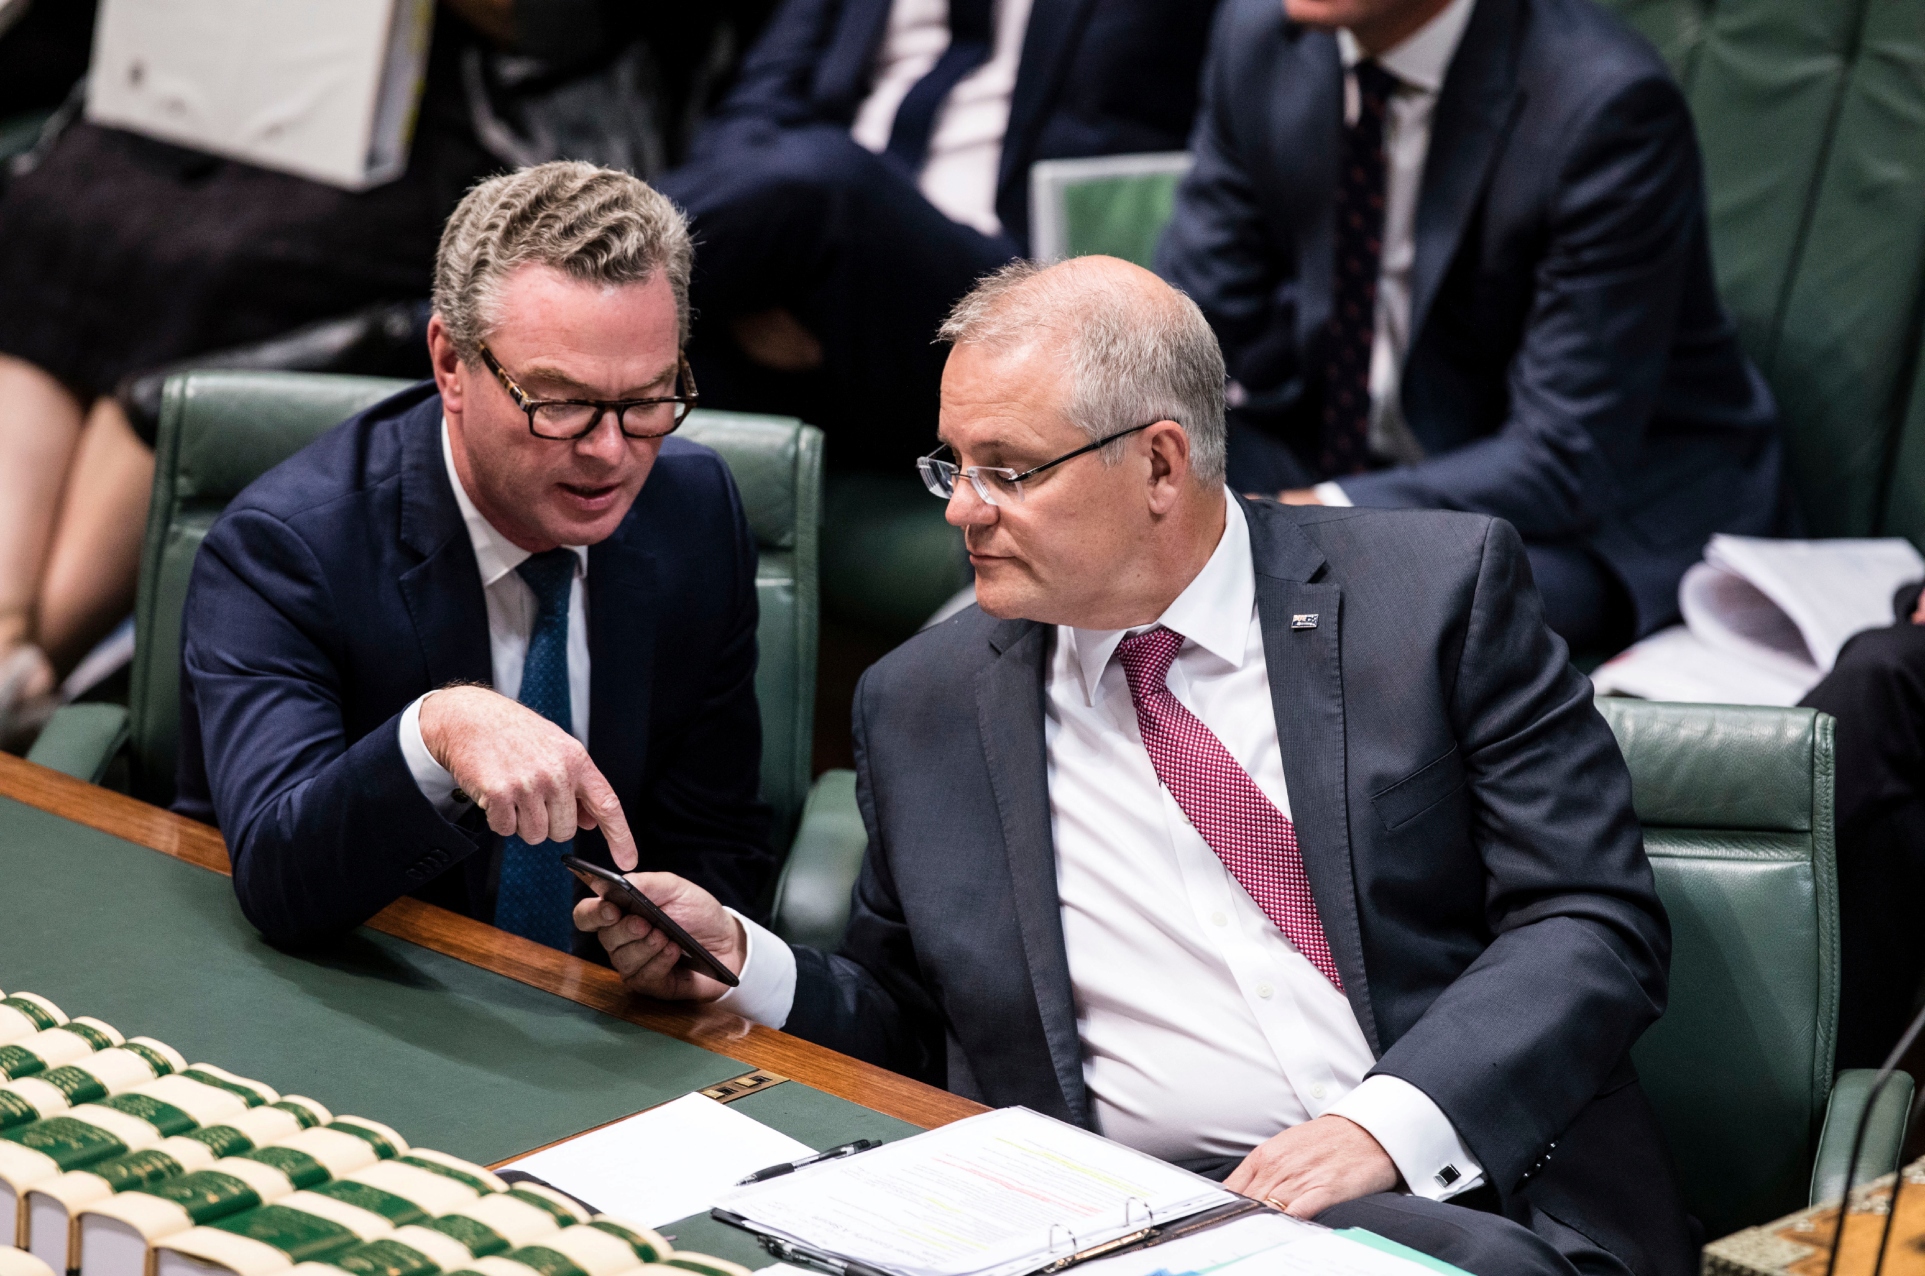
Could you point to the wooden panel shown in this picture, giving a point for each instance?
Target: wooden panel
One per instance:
(510, 956)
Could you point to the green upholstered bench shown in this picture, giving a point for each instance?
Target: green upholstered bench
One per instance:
(1736, 805)
(219, 430)
(1114, 205)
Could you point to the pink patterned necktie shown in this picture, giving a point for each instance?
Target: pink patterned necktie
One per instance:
(1255, 840)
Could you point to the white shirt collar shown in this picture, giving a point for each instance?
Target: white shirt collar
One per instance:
(1421, 58)
(1213, 611)
(495, 554)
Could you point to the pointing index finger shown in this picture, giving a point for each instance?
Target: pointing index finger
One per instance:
(606, 808)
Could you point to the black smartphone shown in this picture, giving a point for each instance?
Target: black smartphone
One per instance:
(623, 895)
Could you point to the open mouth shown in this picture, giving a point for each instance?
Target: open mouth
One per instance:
(592, 494)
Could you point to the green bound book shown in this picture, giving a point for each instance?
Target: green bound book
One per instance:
(53, 1208)
(24, 1014)
(98, 1076)
(320, 1223)
(600, 1247)
(495, 1224)
(51, 1047)
(116, 1235)
(86, 1135)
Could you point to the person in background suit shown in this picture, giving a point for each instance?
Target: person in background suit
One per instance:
(1278, 842)
(873, 161)
(1456, 252)
(496, 613)
(1876, 691)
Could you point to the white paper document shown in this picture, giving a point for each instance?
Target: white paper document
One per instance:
(666, 1163)
(992, 1195)
(1265, 1244)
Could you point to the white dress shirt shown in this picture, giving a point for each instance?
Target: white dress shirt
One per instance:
(511, 621)
(1204, 1030)
(1419, 62)
(966, 144)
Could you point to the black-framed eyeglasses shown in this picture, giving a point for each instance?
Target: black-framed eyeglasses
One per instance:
(567, 419)
(997, 483)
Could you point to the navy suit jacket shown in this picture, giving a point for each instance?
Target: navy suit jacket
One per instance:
(1095, 79)
(1465, 821)
(1571, 369)
(342, 584)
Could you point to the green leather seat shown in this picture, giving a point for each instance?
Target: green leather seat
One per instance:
(1113, 205)
(1736, 805)
(220, 430)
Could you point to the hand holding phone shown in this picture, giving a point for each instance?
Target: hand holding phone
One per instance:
(619, 891)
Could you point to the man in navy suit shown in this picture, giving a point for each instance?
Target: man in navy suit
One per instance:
(1456, 253)
(873, 161)
(1283, 843)
(495, 614)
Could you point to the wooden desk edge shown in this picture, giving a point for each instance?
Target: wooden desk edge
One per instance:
(510, 956)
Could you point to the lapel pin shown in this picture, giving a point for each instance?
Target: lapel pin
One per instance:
(1304, 621)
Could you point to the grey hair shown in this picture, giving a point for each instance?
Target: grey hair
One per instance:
(598, 225)
(1135, 352)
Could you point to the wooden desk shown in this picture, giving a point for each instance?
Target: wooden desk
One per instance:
(441, 1025)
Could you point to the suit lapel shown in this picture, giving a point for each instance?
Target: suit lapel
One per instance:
(1009, 710)
(1306, 693)
(1306, 134)
(443, 590)
(621, 659)
(842, 76)
(1048, 44)
(1479, 100)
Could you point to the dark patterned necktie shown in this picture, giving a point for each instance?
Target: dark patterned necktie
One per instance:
(970, 33)
(537, 895)
(1235, 818)
(1360, 249)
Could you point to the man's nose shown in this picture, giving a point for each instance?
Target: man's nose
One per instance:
(966, 506)
(605, 442)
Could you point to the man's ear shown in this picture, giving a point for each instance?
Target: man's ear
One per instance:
(448, 371)
(1169, 445)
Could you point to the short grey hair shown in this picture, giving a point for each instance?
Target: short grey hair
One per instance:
(598, 225)
(1136, 350)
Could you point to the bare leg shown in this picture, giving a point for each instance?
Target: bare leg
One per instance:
(39, 430)
(95, 558)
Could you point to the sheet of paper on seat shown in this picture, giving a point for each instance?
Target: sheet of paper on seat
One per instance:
(1265, 1245)
(991, 1195)
(666, 1163)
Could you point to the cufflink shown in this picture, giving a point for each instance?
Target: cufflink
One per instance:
(1303, 620)
(1448, 1175)
(461, 797)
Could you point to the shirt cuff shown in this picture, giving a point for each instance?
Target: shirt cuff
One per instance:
(1420, 1139)
(766, 992)
(435, 781)
(1331, 494)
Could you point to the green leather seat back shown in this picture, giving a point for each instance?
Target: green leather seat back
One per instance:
(1114, 205)
(221, 430)
(1736, 808)
(1812, 118)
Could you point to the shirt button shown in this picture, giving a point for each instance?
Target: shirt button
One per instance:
(1264, 991)
(1218, 919)
(1317, 1091)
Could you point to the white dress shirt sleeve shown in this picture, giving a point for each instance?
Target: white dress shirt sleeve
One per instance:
(1420, 1139)
(767, 991)
(433, 779)
(1332, 494)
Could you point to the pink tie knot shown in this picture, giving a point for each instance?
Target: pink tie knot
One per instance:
(1146, 659)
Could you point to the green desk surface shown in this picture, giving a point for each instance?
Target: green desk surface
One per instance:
(454, 1057)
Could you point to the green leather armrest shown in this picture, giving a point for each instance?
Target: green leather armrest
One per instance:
(82, 740)
(1884, 1133)
(812, 899)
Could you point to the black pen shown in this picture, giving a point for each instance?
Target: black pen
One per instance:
(790, 1167)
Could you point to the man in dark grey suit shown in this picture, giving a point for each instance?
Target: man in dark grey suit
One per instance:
(1282, 842)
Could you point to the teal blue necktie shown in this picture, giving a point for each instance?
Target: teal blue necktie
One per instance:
(537, 894)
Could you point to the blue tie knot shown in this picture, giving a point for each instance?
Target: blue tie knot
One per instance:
(549, 574)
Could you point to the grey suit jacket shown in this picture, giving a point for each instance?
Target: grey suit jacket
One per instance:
(1466, 825)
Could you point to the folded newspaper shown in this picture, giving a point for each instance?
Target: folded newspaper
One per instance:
(1764, 620)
